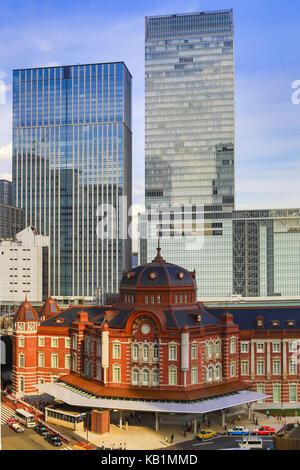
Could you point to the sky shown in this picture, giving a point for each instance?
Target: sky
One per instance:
(36, 33)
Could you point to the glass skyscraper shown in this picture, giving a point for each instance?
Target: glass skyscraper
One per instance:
(247, 253)
(189, 87)
(72, 153)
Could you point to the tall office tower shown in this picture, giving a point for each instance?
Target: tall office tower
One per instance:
(247, 253)
(190, 109)
(5, 192)
(71, 154)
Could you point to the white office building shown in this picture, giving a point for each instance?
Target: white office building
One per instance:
(24, 267)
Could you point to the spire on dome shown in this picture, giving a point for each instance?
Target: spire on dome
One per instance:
(158, 256)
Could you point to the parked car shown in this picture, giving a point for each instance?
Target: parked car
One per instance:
(263, 431)
(205, 434)
(238, 431)
(251, 443)
(41, 430)
(15, 426)
(53, 439)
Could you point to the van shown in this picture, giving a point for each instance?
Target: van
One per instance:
(251, 443)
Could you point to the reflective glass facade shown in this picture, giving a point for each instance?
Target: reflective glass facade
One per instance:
(71, 153)
(11, 221)
(246, 253)
(5, 192)
(189, 86)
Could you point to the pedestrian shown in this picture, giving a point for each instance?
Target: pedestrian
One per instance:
(268, 413)
(166, 440)
(184, 434)
(225, 427)
(102, 446)
(172, 438)
(125, 446)
(208, 422)
(120, 448)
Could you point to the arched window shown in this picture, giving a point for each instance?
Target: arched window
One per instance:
(209, 374)
(146, 377)
(210, 349)
(135, 376)
(218, 348)
(218, 372)
(156, 377)
(135, 352)
(146, 352)
(156, 351)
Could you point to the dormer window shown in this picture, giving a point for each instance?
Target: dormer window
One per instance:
(153, 275)
(259, 322)
(130, 275)
(291, 323)
(275, 323)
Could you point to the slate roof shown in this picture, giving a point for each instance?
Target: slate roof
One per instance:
(118, 317)
(166, 275)
(26, 313)
(50, 307)
(69, 315)
(245, 317)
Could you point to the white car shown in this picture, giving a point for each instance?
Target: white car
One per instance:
(238, 431)
(251, 443)
(16, 426)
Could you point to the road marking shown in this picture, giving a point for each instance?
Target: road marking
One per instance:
(202, 443)
(6, 413)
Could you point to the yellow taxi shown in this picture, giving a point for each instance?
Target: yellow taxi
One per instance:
(206, 434)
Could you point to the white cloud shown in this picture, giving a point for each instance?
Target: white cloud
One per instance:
(6, 153)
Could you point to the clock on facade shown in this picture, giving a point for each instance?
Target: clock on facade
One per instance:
(145, 329)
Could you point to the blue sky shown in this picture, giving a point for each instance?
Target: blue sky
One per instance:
(267, 61)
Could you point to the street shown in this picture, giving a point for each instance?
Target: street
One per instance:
(217, 443)
(27, 440)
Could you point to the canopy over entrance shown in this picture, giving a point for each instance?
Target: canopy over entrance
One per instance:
(76, 397)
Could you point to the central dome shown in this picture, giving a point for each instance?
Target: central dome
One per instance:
(158, 276)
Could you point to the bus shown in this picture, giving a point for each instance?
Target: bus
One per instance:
(25, 418)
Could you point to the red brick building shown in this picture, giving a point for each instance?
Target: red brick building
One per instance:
(158, 343)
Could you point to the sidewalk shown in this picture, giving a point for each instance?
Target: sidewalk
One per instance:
(144, 437)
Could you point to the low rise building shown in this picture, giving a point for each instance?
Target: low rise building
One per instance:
(24, 267)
